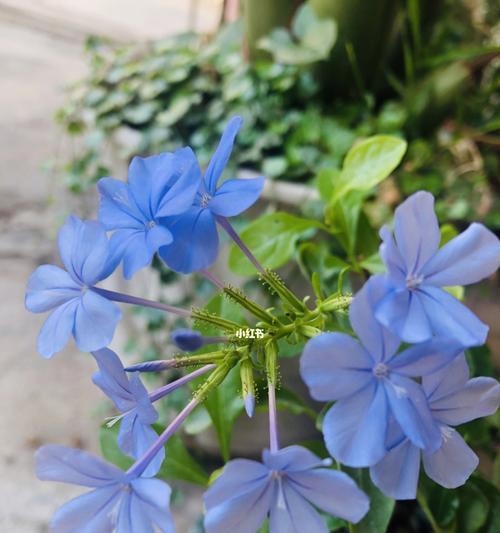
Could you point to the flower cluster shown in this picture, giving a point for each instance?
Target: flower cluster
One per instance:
(394, 402)
(393, 405)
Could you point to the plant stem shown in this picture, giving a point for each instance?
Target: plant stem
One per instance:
(273, 421)
(134, 300)
(428, 513)
(166, 389)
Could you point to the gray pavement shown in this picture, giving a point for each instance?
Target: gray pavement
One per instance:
(51, 401)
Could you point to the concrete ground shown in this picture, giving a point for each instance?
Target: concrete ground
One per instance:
(51, 401)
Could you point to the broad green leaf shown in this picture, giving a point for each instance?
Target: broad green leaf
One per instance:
(473, 510)
(343, 216)
(373, 264)
(290, 401)
(179, 464)
(368, 163)
(224, 405)
(439, 504)
(381, 507)
(448, 232)
(272, 239)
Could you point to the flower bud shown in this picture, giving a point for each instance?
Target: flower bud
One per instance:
(247, 385)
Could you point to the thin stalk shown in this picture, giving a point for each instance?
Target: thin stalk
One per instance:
(166, 389)
(226, 225)
(141, 464)
(273, 420)
(250, 305)
(134, 300)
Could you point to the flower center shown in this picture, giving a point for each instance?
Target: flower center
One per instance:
(380, 370)
(150, 224)
(413, 281)
(205, 198)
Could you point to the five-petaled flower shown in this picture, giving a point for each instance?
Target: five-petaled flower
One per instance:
(371, 383)
(159, 186)
(454, 399)
(132, 399)
(414, 306)
(196, 241)
(287, 486)
(76, 308)
(118, 501)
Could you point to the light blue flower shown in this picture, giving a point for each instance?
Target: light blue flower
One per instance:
(76, 308)
(118, 501)
(287, 486)
(414, 305)
(158, 186)
(196, 241)
(453, 399)
(131, 398)
(370, 383)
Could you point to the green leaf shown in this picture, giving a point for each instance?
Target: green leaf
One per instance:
(473, 510)
(373, 264)
(272, 239)
(343, 216)
(179, 464)
(290, 401)
(224, 405)
(381, 507)
(368, 163)
(439, 504)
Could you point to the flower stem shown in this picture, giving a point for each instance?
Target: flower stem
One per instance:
(134, 300)
(226, 225)
(273, 421)
(141, 464)
(251, 306)
(213, 278)
(166, 389)
(177, 362)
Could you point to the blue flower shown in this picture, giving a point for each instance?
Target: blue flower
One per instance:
(76, 308)
(159, 186)
(454, 399)
(370, 383)
(287, 486)
(414, 306)
(196, 242)
(118, 501)
(131, 398)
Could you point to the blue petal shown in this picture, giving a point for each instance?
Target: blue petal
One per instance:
(196, 243)
(468, 258)
(453, 463)
(292, 513)
(154, 498)
(113, 380)
(84, 249)
(238, 477)
(116, 210)
(451, 319)
(379, 341)
(479, 397)
(417, 230)
(396, 475)
(57, 329)
(334, 365)
(355, 427)
(402, 312)
(409, 406)
(446, 380)
(70, 465)
(156, 237)
(291, 459)
(95, 322)
(425, 358)
(93, 512)
(49, 286)
(135, 438)
(332, 491)
(235, 196)
(145, 410)
(221, 156)
(178, 194)
(391, 256)
(239, 499)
